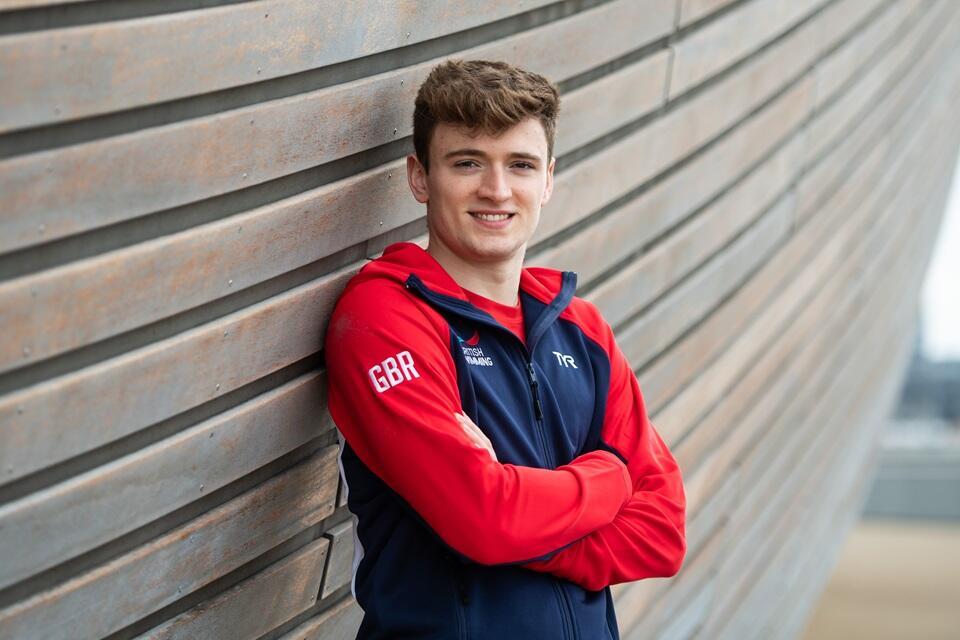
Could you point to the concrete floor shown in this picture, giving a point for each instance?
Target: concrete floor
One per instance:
(894, 580)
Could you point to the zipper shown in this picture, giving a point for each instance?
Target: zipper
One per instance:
(465, 309)
(461, 598)
(534, 388)
(462, 588)
(460, 307)
(548, 452)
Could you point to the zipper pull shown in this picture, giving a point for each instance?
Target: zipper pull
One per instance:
(534, 385)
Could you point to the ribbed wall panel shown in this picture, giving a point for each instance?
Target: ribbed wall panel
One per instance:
(749, 190)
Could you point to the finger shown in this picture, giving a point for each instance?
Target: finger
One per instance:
(476, 434)
(468, 423)
(486, 441)
(471, 432)
(473, 437)
(465, 419)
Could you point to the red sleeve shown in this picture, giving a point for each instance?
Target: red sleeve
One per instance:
(647, 538)
(393, 392)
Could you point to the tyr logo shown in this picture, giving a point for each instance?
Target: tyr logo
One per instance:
(565, 360)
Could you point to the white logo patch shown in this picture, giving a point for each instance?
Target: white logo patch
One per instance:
(393, 371)
(474, 356)
(565, 360)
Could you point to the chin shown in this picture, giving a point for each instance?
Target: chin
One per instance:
(493, 251)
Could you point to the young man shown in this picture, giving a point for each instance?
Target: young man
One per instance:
(501, 467)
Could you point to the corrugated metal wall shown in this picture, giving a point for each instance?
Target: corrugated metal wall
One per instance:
(749, 190)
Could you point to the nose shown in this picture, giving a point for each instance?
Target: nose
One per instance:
(495, 185)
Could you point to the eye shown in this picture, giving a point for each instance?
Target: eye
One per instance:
(466, 163)
(524, 165)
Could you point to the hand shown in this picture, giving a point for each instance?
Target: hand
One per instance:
(479, 438)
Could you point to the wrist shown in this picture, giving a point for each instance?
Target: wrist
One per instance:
(615, 463)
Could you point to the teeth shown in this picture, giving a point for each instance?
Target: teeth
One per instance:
(491, 216)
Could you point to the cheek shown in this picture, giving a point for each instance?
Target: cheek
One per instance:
(533, 194)
(453, 194)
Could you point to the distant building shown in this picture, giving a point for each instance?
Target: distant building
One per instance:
(932, 388)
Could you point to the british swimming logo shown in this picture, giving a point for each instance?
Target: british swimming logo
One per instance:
(472, 351)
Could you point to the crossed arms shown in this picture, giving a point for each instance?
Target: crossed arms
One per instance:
(601, 519)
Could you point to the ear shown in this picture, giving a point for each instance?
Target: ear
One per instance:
(548, 189)
(417, 179)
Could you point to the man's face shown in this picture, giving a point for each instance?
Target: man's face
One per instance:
(484, 193)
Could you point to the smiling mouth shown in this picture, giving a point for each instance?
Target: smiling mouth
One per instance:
(491, 217)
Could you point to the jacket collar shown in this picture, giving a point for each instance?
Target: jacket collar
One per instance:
(417, 270)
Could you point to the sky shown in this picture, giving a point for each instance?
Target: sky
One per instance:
(940, 298)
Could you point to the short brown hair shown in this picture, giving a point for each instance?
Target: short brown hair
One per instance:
(482, 95)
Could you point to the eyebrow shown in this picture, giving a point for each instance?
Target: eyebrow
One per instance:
(481, 154)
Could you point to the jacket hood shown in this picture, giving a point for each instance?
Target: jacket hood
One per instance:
(403, 259)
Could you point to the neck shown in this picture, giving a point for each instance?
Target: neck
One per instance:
(498, 280)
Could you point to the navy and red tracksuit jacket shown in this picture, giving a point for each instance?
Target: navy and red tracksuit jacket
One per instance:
(451, 543)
